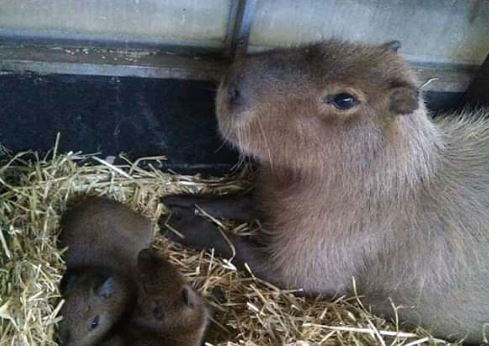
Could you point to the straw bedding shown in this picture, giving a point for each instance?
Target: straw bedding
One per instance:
(34, 192)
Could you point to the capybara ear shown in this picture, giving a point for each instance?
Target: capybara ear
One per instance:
(188, 296)
(106, 289)
(403, 100)
(67, 282)
(393, 46)
(146, 258)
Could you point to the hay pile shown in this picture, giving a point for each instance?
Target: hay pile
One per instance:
(34, 193)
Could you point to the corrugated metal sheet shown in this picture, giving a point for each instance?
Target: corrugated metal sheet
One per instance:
(438, 31)
(443, 39)
(186, 22)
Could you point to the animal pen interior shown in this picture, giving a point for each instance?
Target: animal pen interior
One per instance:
(138, 77)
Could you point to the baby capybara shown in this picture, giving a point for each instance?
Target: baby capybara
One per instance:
(169, 312)
(104, 238)
(357, 180)
(100, 232)
(95, 302)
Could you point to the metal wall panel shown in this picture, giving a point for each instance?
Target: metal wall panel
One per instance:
(445, 40)
(434, 31)
(186, 22)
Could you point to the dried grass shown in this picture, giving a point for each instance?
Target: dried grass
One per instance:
(33, 195)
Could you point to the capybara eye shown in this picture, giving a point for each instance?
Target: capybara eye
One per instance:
(94, 323)
(342, 101)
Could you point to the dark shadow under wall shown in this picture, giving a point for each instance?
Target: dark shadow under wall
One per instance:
(140, 117)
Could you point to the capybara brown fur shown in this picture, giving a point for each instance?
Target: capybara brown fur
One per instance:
(96, 301)
(168, 310)
(104, 238)
(100, 232)
(357, 180)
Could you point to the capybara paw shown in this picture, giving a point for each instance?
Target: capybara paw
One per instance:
(185, 200)
(186, 227)
(237, 208)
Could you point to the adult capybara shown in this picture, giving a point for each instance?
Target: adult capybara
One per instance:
(356, 180)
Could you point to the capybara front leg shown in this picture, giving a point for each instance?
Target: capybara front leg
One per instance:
(237, 208)
(198, 233)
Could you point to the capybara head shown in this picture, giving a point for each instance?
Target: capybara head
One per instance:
(295, 105)
(165, 301)
(94, 303)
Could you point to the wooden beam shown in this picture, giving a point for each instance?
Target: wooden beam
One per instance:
(150, 63)
(444, 77)
(107, 62)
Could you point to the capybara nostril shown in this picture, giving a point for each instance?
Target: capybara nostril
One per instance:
(235, 97)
